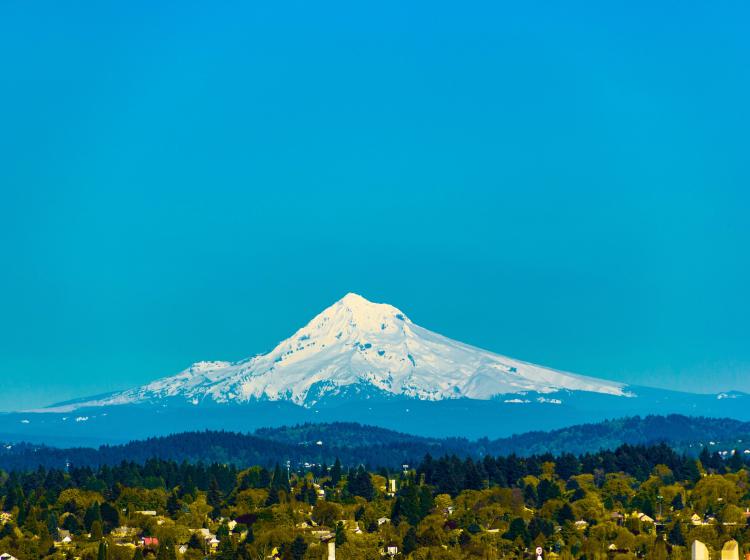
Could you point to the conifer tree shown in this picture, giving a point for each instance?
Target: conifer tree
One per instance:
(340, 534)
(336, 472)
(103, 553)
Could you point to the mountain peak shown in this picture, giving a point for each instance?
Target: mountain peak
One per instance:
(354, 314)
(351, 299)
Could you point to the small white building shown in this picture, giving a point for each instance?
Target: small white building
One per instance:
(6, 556)
(645, 518)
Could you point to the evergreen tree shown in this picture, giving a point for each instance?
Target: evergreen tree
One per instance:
(196, 542)
(226, 550)
(93, 513)
(52, 523)
(472, 477)
(12, 499)
(518, 530)
(565, 513)
(298, 548)
(340, 534)
(735, 462)
(96, 531)
(103, 553)
(530, 496)
(677, 502)
(676, 536)
(173, 504)
(110, 515)
(410, 541)
(213, 496)
(336, 472)
(359, 483)
(659, 551)
(280, 480)
(166, 550)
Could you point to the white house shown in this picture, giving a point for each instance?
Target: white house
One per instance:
(6, 556)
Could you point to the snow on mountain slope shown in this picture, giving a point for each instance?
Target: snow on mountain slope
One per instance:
(365, 346)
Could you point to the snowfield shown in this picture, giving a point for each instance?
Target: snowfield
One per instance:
(363, 347)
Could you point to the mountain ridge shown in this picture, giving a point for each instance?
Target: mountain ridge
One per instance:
(356, 443)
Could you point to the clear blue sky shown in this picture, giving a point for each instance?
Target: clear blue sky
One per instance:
(567, 183)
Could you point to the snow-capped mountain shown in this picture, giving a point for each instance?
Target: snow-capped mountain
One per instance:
(359, 347)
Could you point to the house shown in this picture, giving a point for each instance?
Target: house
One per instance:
(581, 524)
(695, 519)
(642, 517)
(730, 550)
(64, 538)
(6, 556)
(391, 486)
(148, 512)
(150, 542)
(123, 532)
(391, 549)
(182, 549)
(383, 520)
(698, 551)
(208, 537)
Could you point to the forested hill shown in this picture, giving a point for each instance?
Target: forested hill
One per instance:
(686, 433)
(681, 432)
(356, 444)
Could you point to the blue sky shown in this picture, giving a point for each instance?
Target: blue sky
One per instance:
(562, 182)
